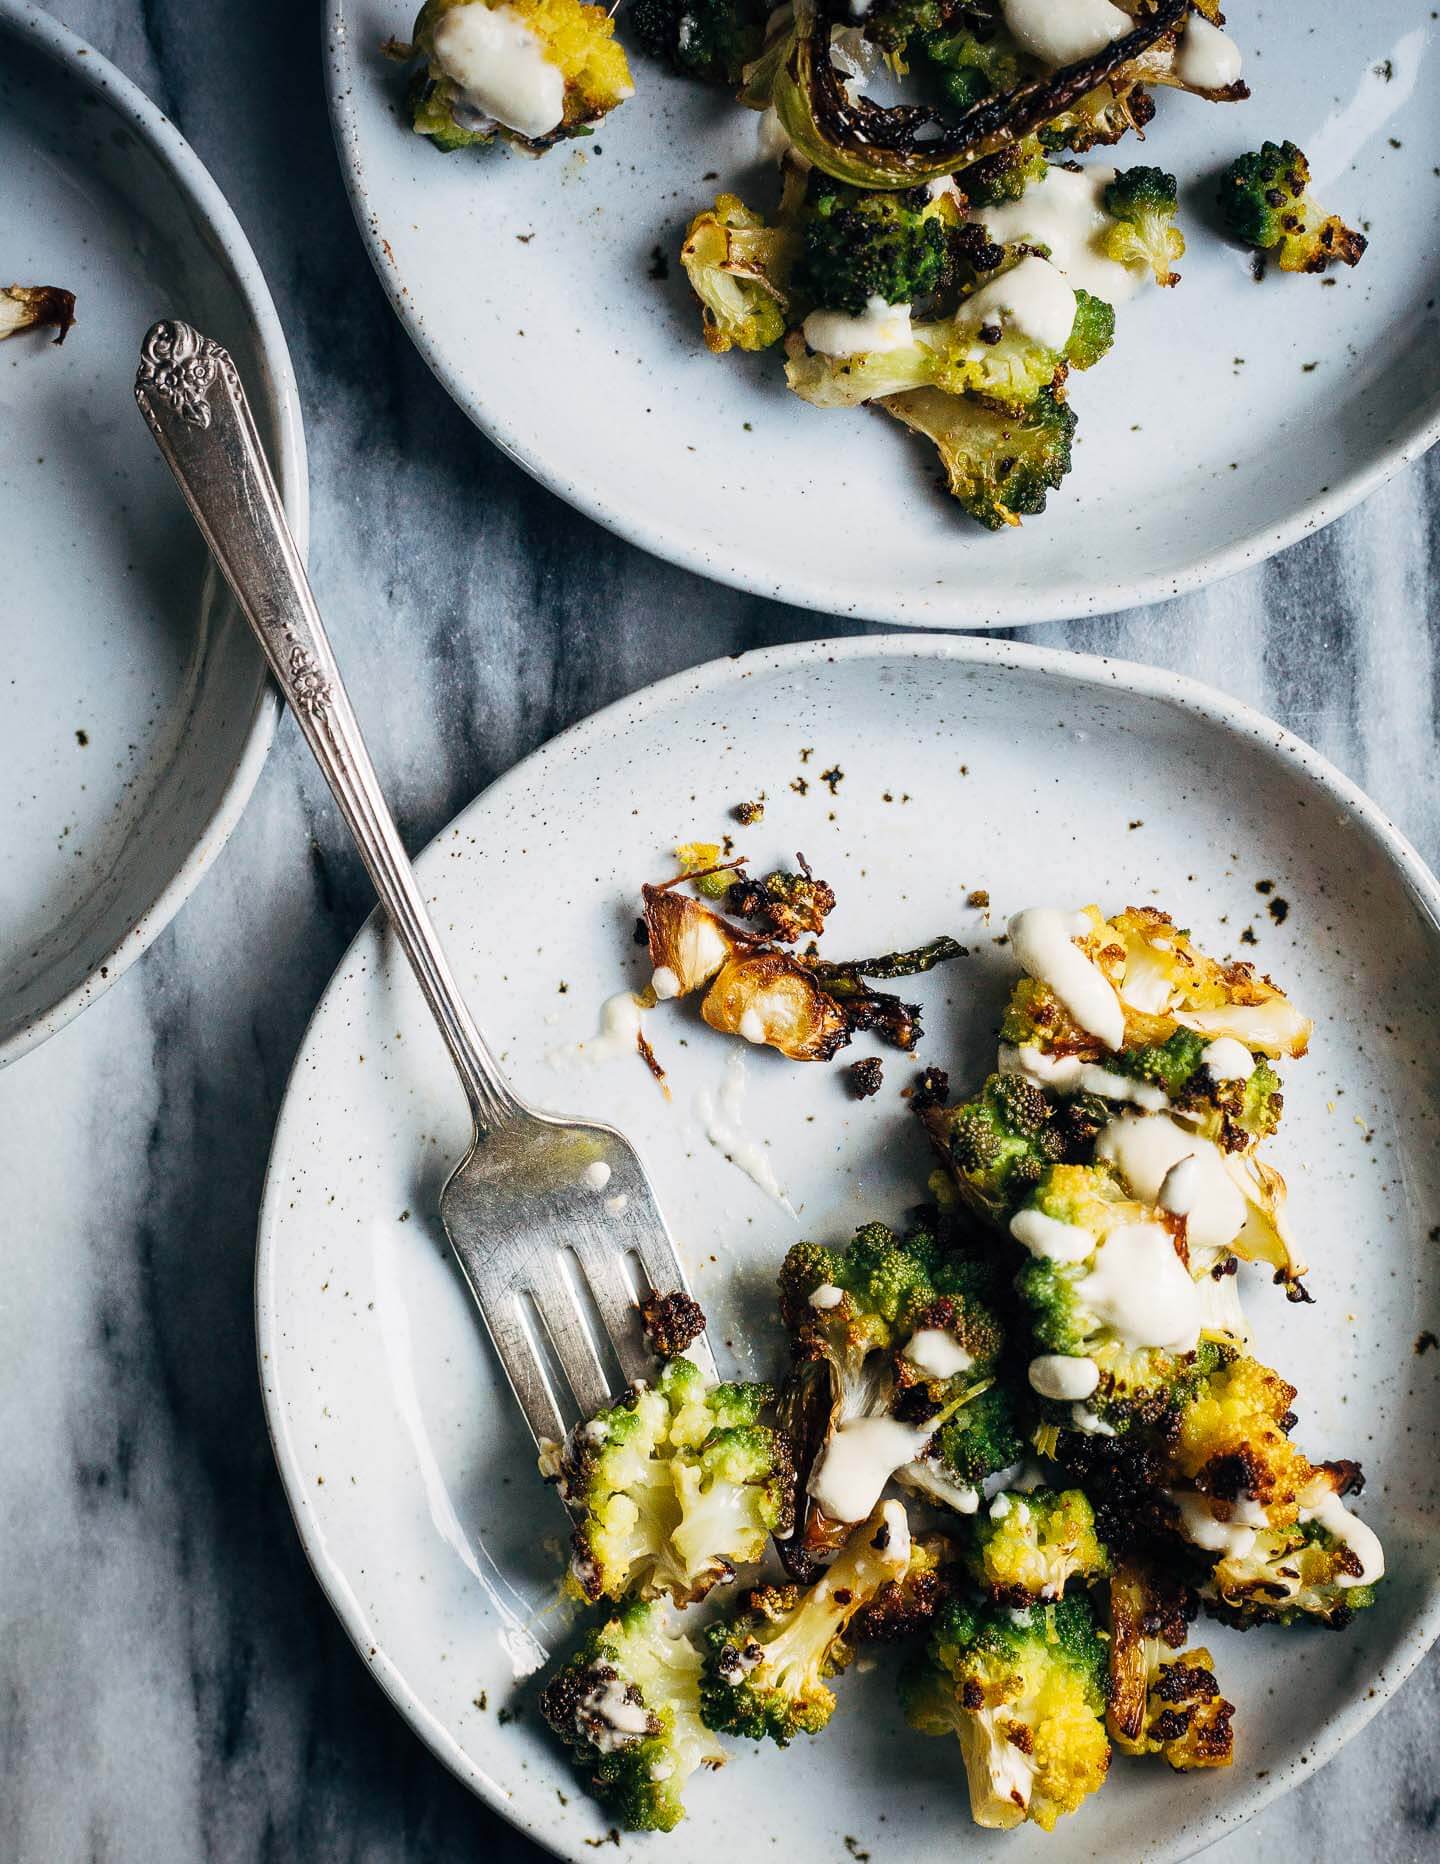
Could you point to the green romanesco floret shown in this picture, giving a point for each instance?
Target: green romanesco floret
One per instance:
(886, 1279)
(1093, 332)
(577, 38)
(765, 1668)
(999, 1143)
(982, 1439)
(1170, 1064)
(967, 63)
(1027, 1693)
(739, 269)
(1142, 202)
(709, 39)
(857, 245)
(1029, 1547)
(1003, 176)
(1266, 203)
(1000, 467)
(627, 1704)
(1101, 117)
(673, 1487)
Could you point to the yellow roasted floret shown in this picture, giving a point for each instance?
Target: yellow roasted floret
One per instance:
(1028, 1547)
(1233, 1442)
(1163, 1699)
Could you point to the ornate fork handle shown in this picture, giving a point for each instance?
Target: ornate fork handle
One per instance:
(190, 394)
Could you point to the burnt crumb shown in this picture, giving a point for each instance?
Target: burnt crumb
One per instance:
(852, 1845)
(1279, 910)
(1425, 1341)
(866, 1077)
(82, 738)
(659, 265)
(749, 814)
(931, 1090)
(506, 1716)
(832, 778)
(671, 1322)
(640, 935)
(1257, 266)
(647, 1055)
(1385, 69)
(806, 753)
(524, 238)
(1264, 886)
(563, 988)
(1247, 937)
(800, 786)
(612, 1837)
(482, 1701)
(978, 898)
(1135, 824)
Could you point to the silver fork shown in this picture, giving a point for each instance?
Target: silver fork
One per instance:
(554, 1222)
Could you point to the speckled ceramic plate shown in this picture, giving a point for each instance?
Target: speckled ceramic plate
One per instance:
(952, 765)
(134, 710)
(1231, 419)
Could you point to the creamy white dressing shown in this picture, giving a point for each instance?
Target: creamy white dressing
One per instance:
(1330, 1511)
(1182, 1186)
(1050, 1238)
(1144, 1148)
(859, 1460)
(1232, 1540)
(1064, 211)
(827, 1295)
(879, 327)
(1084, 1419)
(596, 1175)
(617, 1723)
(937, 1353)
(1032, 298)
(926, 1475)
(1060, 32)
(1068, 1074)
(499, 65)
(1043, 938)
(1142, 1291)
(1063, 1377)
(1227, 1059)
(1208, 59)
(664, 983)
(722, 1115)
(1001, 1506)
(620, 1023)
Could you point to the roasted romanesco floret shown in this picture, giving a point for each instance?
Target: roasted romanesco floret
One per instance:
(1266, 203)
(859, 244)
(709, 39)
(765, 1668)
(576, 71)
(1162, 1698)
(1028, 1547)
(1024, 1691)
(739, 269)
(673, 1487)
(1142, 203)
(628, 1706)
(999, 466)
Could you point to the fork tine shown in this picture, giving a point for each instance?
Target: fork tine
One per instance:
(606, 1277)
(510, 1334)
(557, 1301)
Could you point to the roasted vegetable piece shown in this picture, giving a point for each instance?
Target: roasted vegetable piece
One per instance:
(531, 72)
(688, 943)
(903, 1608)
(1024, 1691)
(36, 307)
(1027, 1548)
(1143, 204)
(671, 1322)
(1163, 1699)
(673, 1487)
(768, 997)
(739, 269)
(999, 466)
(627, 1704)
(786, 906)
(1266, 203)
(709, 39)
(858, 245)
(765, 1669)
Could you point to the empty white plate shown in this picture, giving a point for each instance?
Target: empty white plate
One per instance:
(134, 709)
(953, 765)
(1229, 419)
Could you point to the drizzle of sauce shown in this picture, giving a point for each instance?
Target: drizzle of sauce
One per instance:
(1044, 942)
(722, 1116)
(859, 1460)
(1142, 1291)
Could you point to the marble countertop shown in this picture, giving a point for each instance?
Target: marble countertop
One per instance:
(173, 1686)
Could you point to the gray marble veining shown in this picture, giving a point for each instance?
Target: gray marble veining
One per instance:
(172, 1684)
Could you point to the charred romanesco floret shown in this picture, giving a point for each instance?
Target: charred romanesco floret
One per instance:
(982, 1439)
(1162, 1698)
(1024, 1691)
(785, 906)
(628, 1706)
(1265, 200)
(1001, 1143)
(1320, 1568)
(765, 1668)
(709, 39)
(1028, 1548)
(1232, 1438)
(673, 1487)
(739, 269)
(858, 245)
(458, 41)
(1003, 176)
(905, 1608)
(1142, 203)
(999, 466)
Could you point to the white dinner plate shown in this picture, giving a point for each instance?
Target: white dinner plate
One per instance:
(1230, 419)
(1040, 777)
(135, 712)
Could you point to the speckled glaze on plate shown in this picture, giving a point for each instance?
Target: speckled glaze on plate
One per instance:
(1231, 418)
(135, 713)
(952, 765)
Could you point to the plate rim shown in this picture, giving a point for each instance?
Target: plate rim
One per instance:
(27, 22)
(630, 523)
(1196, 697)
